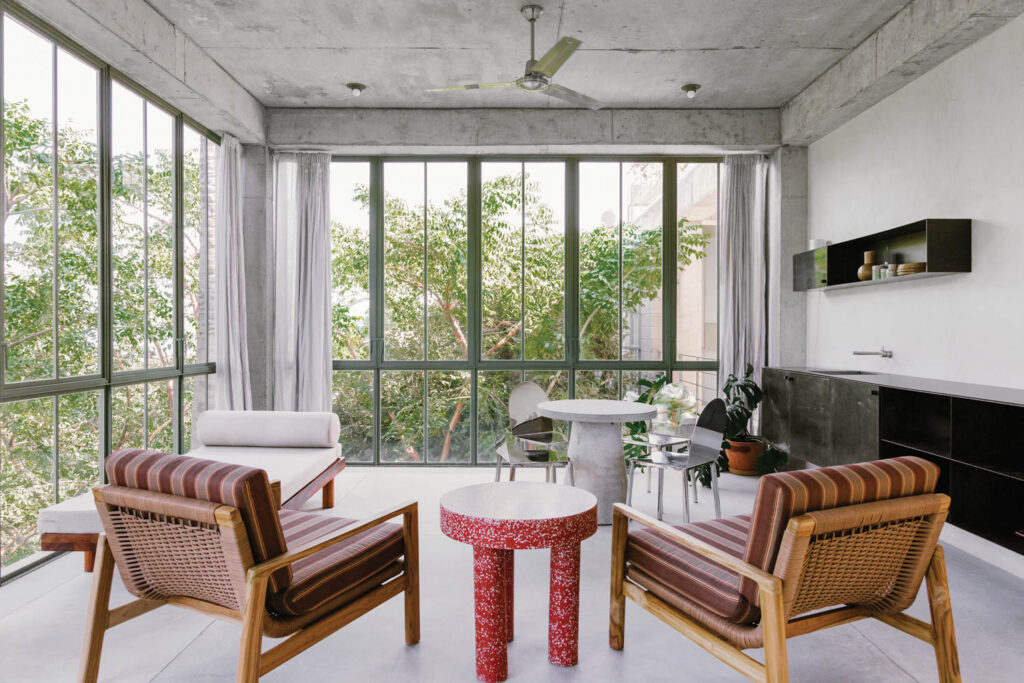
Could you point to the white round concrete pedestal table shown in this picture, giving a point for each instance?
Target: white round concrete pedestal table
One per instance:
(595, 445)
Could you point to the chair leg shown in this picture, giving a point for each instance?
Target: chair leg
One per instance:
(661, 493)
(497, 469)
(649, 479)
(411, 536)
(328, 495)
(714, 490)
(252, 630)
(554, 474)
(511, 472)
(942, 619)
(686, 499)
(696, 480)
(617, 611)
(773, 624)
(570, 473)
(99, 612)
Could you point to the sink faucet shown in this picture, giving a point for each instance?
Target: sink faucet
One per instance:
(884, 353)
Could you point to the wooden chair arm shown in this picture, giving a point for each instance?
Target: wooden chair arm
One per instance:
(766, 582)
(318, 544)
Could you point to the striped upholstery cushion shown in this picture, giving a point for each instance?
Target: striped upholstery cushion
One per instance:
(241, 487)
(324, 575)
(687, 573)
(788, 494)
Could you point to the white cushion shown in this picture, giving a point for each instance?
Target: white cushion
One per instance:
(293, 467)
(74, 516)
(268, 428)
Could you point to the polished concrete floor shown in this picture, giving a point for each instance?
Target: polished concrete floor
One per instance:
(41, 617)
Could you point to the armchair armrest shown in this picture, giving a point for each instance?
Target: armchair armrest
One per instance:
(316, 545)
(767, 583)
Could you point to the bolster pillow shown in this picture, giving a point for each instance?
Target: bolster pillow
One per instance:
(268, 429)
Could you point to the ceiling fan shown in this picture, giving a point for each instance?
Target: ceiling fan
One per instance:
(539, 71)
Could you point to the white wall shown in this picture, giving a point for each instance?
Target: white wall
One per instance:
(948, 145)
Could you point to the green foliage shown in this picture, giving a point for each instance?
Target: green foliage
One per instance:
(649, 390)
(143, 283)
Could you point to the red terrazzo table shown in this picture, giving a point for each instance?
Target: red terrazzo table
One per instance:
(500, 518)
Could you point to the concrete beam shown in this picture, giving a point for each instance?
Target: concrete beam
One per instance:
(920, 36)
(136, 40)
(787, 235)
(361, 131)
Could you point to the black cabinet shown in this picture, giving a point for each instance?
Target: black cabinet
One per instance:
(854, 422)
(818, 419)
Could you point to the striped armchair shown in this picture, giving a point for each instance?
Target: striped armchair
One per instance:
(208, 536)
(823, 547)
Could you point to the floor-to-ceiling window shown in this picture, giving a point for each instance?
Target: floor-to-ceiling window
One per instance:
(107, 257)
(456, 279)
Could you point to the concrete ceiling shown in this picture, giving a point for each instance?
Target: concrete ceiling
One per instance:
(745, 53)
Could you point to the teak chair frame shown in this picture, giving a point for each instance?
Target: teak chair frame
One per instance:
(775, 624)
(253, 615)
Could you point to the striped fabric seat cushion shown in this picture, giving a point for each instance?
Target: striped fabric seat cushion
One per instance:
(241, 487)
(324, 575)
(785, 495)
(687, 573)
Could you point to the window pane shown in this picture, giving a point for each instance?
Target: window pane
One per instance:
(350, 262)
(641, 261)
(353, 402)
(501, 261)
(404, 287)
(199, 159)
(160, 230)
(78, 306)
(493, 389)
(599, 212)
(199, 396)
(78, 443)
(29, 185)
(597, 384)
(449, 422)
(401, 414)
(128, 227)
(447, 261)
(128, 417)
(26, 474)
(160, 415)
(544, 254)
(555, 383)
(697, 261)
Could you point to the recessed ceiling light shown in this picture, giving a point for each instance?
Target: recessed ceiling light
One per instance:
(356, 88)
(691, 89)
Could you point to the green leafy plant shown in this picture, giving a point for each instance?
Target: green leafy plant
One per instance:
(742, 396)
(649, 391)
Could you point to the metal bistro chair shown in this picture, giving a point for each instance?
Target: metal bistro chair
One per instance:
(702, 448)
(530, 440)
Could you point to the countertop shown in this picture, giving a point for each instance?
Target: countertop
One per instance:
(980, 392)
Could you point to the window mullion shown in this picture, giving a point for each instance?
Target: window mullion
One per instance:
(54, 165)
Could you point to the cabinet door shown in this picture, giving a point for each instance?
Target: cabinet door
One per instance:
(854, 422)
(810, 407)
(775, 406)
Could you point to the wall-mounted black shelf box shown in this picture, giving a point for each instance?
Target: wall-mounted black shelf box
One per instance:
(943, 244)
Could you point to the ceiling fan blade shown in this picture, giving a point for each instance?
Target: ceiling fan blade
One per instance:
(471, 86)
(572, 97)
(554, 58)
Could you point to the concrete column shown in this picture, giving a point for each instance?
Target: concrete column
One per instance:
(787, 235)
(257, 195)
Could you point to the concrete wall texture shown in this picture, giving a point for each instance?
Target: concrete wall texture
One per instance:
(949, 145)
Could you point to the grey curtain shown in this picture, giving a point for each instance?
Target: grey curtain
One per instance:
(741, 263)
(233, 390)
(302, 282)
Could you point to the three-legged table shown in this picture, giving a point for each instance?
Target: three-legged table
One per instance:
(500, 518)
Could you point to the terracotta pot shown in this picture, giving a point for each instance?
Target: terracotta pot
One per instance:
(743, 457)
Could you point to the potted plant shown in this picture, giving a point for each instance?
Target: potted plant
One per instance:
(745, 453)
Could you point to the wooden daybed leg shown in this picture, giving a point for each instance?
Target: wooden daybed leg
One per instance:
(98, 615)
(411, 535)
(328, 495)
(617, 610)
(942, 619)
(89, 559)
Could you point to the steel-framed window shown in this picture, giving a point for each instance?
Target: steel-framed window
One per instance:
(58, 394)
(370, 368)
